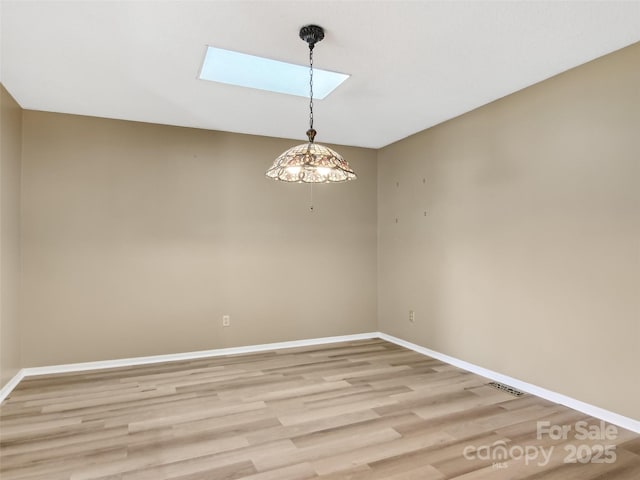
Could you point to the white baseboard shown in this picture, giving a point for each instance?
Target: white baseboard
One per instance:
(11, 384)
(597, 412)
(172, 357)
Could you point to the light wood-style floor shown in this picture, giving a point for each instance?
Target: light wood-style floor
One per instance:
(363, 410)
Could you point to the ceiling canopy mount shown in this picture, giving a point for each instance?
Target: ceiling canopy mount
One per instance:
(312, 34)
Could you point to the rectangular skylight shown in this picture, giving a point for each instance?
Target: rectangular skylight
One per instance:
(234, 68)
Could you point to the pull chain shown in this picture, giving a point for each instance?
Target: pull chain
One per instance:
(311, 197)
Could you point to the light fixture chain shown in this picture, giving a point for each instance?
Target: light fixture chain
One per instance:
(310, 85)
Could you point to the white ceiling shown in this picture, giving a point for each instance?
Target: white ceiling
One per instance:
(413, 64)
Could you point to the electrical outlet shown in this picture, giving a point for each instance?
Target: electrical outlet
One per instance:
(226, 321)
(412, 316)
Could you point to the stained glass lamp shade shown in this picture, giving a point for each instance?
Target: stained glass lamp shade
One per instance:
(311, 163)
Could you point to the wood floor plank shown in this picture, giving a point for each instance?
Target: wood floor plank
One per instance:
(362, 410)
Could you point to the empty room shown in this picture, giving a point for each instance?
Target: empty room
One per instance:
(319, 239)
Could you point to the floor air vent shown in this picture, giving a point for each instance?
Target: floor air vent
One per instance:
(506, 388)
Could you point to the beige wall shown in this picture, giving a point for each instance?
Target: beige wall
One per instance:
(137, 238)
(527, 261)
(10, 155)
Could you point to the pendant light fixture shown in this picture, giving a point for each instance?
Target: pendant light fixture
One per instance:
(311, 162)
